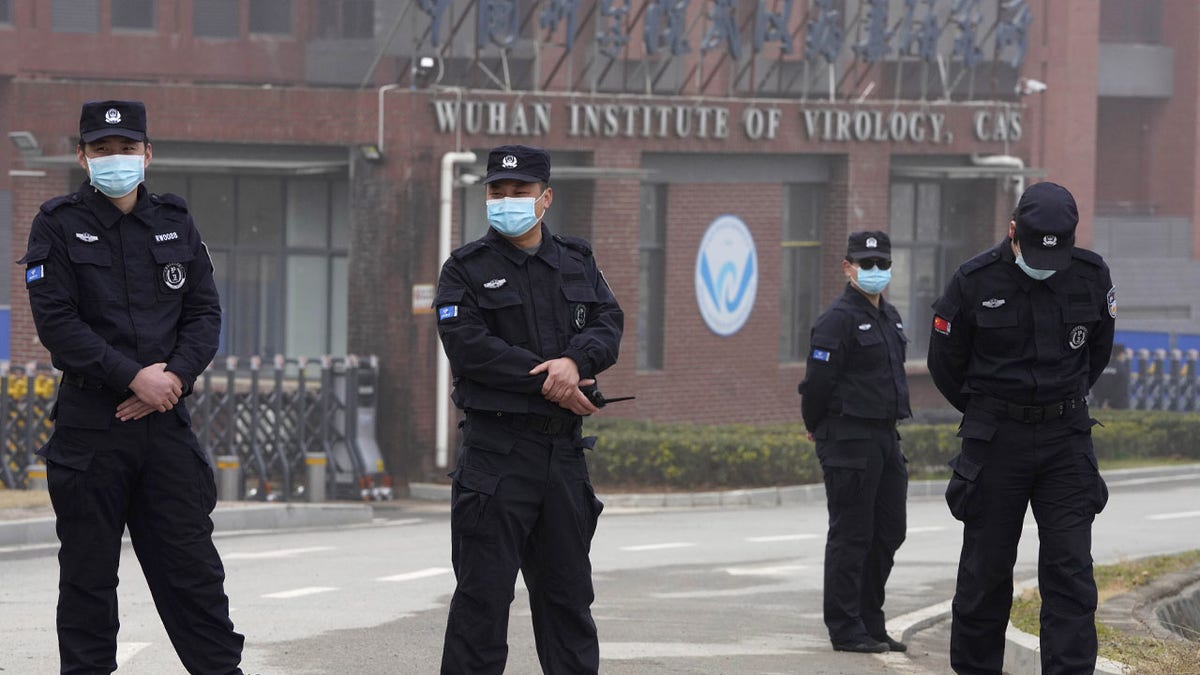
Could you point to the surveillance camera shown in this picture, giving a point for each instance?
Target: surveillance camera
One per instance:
(468, 179)
(1031, 86)
(426, 70)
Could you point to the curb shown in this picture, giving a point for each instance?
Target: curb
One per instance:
(227, 518)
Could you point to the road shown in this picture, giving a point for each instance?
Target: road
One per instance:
(678, 591)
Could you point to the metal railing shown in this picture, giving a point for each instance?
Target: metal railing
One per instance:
(1165, 380)
(270, 416)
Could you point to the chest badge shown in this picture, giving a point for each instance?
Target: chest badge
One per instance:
(1078, 337)
(579, 316)
(495, 283)
(993, 303)
(864, 326)
(86, 237)
(174, 275)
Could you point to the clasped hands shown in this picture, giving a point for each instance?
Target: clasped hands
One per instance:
(155, 389)
(562, 385)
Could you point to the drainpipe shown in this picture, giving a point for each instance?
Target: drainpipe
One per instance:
(1004, 160)
(443, 364)
(382, 90)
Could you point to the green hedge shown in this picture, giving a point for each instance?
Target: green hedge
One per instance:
(692, 456)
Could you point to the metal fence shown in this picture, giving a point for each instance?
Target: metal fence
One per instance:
(271, 417)
(1165, 380)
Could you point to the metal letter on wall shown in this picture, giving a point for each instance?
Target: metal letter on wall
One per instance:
(666, 24)
(773, 27)
(722, 29)
(1013, 31)
(825, 34)
(555, 11)
(875, 46)
(435, 9)
(611, 32)
(924, 33)
(497, 23)
(967, 17)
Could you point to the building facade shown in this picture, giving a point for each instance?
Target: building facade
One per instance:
(716, 153)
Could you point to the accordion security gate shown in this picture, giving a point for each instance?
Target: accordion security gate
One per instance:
(270, 416)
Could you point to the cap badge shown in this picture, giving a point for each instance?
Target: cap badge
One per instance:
(872, 242)
(993, 303)
(113, 116)
(1049, 241)
(495, 283)
(86, 237)
(509, 162)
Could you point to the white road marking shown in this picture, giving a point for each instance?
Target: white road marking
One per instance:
(419, 574)
(777, 570)
(280, 553)
(299, 592)
(658, 547)
(920, 530)
(623, 651)
(1174, 516)
(127, 650)
(783, 537)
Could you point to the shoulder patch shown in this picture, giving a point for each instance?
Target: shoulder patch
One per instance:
(57, 202)
(1090, 257)
(170, 199)
(980, 261)
(576, 243)
(467, 250)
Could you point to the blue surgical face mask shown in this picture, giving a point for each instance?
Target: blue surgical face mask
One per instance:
(1033, 272)
(117, 175)
(874, 280)
(513, 216)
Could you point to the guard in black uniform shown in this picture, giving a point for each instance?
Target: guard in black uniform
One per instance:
(1021, 333)
(121, 289)
(853, 392)
(526, 319)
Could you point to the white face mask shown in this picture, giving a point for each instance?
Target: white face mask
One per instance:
(117, 175)
(1033, 272)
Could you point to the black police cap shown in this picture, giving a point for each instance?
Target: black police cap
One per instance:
(1046, 217)
(112, 118)
(518, 162)
(869, 244)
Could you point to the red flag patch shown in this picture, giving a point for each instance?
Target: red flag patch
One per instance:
(941, 325)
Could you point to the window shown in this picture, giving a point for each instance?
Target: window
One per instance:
(271, 17)
(75, 16)
(216, 18)
(279, 247)
(800, 269)
(345, 19)
(652, 259)
(5, 11)
(134, 14)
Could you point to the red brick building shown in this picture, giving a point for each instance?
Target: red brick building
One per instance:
(308, 137)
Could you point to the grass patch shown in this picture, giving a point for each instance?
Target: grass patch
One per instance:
(1145, 656)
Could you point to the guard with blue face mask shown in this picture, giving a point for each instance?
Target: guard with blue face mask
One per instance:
(122, 293)
(1020, 335)
(527, 322)
(853, 393)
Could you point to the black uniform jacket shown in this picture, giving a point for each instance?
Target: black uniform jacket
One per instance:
(112, 293)
(501, 312)
(999, 333)
(856, 363)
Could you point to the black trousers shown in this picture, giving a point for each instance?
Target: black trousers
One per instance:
(149, 475)
(521, 501)
(1004, 466)
(866, 487)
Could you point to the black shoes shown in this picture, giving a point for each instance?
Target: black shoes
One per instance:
(871, 645)
(862, 646)
(893, 645)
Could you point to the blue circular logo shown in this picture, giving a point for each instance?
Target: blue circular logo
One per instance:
(726, 275)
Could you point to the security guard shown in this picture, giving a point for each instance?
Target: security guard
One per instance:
(853, 392)
(1021, 333)
(526, 319)
(122, 294)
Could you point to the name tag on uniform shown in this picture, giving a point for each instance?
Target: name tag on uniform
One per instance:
(820, 355)
(34, 273)
(447, 312)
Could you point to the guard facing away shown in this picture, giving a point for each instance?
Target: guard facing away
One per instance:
(526, 319)
(1020, 335)
(853, 392)
(122, 294)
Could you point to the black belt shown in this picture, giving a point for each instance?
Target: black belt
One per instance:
(81, 381)
(542, 424)
(1028, 414)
